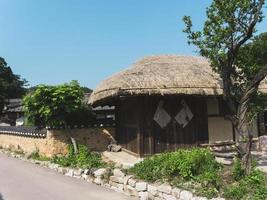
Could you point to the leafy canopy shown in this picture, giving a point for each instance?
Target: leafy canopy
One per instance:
(11, 85)
(224, 40)
(254, 54)
(229, 25)
(52, 105)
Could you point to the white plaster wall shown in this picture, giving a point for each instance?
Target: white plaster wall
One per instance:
(220, 129)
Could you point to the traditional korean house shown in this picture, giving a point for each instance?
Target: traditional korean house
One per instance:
(13, 112)
(166, 102)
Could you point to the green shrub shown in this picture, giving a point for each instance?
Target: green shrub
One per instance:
(181, 168)
(252, 187)
(187, 164)
(238, 171)
(196, 169)
(54, 105)
(36, 156)
(83, 159)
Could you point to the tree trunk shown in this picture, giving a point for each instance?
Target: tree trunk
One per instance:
(240, 121)
(73, 141)
(244, 145)
(247, 159)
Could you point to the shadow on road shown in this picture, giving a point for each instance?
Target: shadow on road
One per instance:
(1, 197)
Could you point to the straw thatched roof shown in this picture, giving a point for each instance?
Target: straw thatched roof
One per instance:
(162, 75)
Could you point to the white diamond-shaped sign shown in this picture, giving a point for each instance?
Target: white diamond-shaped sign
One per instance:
(185, 115)
(161, 116)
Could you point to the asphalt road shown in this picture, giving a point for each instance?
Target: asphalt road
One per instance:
(20, 180)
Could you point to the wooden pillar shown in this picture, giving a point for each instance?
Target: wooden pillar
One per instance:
(149, 113)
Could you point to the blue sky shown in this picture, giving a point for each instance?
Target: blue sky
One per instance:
(55, 41)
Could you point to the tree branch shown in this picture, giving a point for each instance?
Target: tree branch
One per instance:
(249, 92)
(250, 28)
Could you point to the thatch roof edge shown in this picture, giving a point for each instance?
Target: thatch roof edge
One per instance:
(163, 75)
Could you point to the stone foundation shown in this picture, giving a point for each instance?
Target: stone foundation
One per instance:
(263, 143)
(56, 141)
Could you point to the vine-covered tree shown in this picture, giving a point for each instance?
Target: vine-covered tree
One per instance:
(229, 26)
(11, 85)
(54, 106)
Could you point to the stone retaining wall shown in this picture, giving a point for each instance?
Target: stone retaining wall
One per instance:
(263, 143)
(56, 141)
(118, 181)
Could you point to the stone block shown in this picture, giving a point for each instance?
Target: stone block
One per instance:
(70, 172)
(160, 194)
(152, 189)
(87, 171)
(143, 196)
(84, 176)
(225, 161)
(90, 178)
(37, 162)
(199, 198)
(62, 170)
(77, 172)
(53, 166)
(116, 179)
(44, 163)
(263, 143)
(117, 189)
(130, 190)
(151, 196)
(116, 185)
(99, 172)
(107, 185)
(168, 197)
(98, 181)
(132, 182)
(118, 165)
(118, 173)
(141, 186)
(165, 188)
(186, 195)
(126, 179)
(176, 192)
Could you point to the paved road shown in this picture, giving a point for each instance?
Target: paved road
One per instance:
(20, 180)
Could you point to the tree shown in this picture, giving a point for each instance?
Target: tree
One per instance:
(254, 55)
(229, 26)
(87, 90)
(53, 105)
(11, 85)
(84, 88)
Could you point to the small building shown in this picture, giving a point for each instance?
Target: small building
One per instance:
(13, 112)
(166, 102)
(104, 114)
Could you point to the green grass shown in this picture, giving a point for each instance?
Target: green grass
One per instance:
(36, 156)
(194, 169)
(197, 170)
(84, 159)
